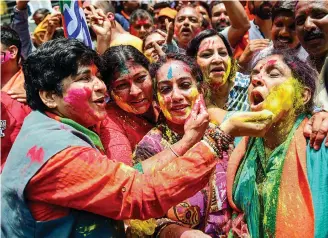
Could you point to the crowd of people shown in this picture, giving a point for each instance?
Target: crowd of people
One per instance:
(186, 119)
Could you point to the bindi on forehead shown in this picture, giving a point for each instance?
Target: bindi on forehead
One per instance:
(170, 73)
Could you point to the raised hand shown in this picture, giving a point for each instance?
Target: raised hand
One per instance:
(197, 122)
(252, 47)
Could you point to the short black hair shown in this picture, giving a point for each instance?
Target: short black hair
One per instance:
(115, 56)
(283, 7)
(10, 37)
(51, 63)
(213, 4)
(161, 5)
(140, 14)
(195, 69)
(194, 44)
(42, 11)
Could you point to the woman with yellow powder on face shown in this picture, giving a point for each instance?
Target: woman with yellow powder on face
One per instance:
(279, 182)
(178, 83)
(226, 89)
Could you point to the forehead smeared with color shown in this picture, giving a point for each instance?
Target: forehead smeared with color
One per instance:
(173, 69)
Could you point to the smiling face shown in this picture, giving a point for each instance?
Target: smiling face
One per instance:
(283, 31)
(149, 48)
(141, 27)
(132, 89)
(274, 88)
(311, 19)
(214, 61)
(220, 18)
(176, 91)
(83, 98)
(187, 25)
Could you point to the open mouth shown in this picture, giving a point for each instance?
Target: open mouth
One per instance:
(217, 69)
(185, 31)
(256, 100)
(100, 101)
(285, 40)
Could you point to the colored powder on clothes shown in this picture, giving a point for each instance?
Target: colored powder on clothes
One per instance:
(142, 228)
(35, 154)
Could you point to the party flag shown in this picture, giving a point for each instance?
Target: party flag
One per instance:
(74, 21)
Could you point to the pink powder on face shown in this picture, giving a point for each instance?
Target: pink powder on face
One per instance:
(207, 45)
(78, 99)
(271, 62)
(196, 31)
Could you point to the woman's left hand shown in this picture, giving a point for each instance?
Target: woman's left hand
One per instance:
(316, 129)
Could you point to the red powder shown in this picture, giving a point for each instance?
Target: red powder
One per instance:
(142, 22)
(78, 99)
(35, 155)
(271, 62)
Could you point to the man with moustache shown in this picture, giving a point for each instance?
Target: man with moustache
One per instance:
(311, 18)
(187, 25)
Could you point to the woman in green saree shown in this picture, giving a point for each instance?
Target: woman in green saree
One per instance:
(279, 182)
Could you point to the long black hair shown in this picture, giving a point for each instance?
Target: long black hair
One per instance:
(115, 56)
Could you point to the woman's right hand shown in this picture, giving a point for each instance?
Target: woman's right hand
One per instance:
(254, 124)
(197, 122)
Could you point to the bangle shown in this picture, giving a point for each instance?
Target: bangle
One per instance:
(217, 149)
(175, 153)
(221, 140)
